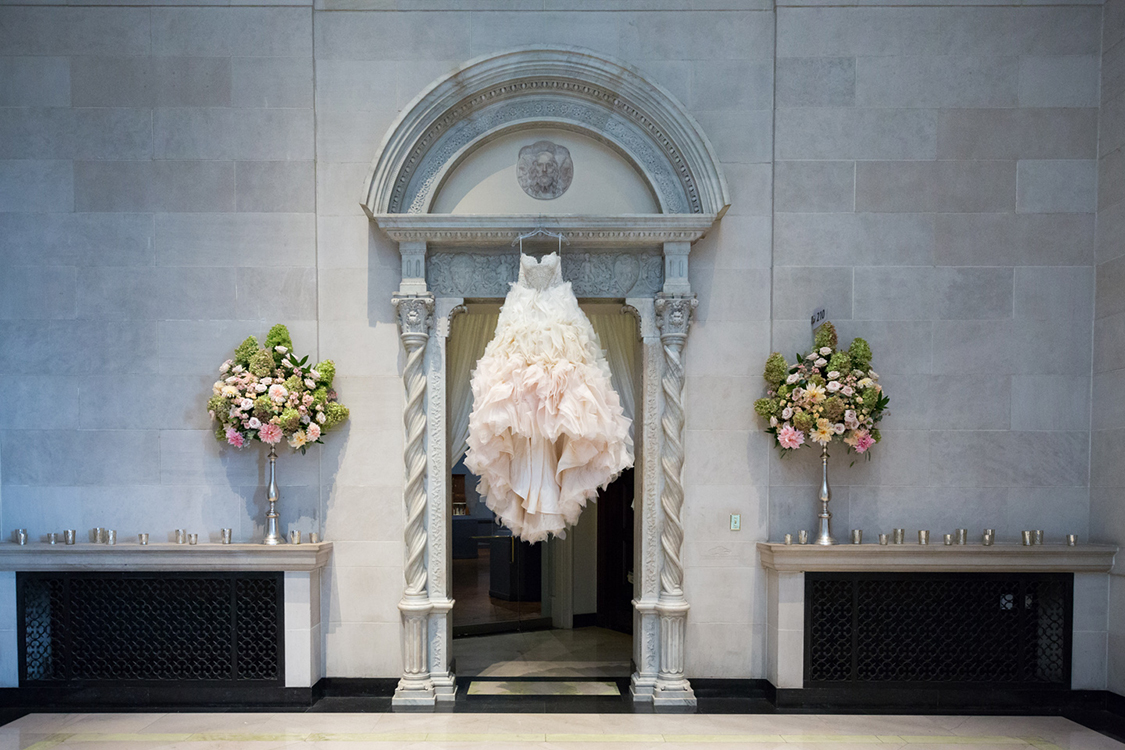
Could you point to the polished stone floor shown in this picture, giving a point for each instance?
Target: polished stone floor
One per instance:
(584, 652)
(473, 604)
(265, 731)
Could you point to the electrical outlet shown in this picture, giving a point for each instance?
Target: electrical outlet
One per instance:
(735, 522)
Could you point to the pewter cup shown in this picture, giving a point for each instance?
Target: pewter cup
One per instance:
(962, 536)
(21, 536)
(883, 539)
(142, 538)
(294, 537)
(111, 536)
(788, 538)
(948, 540)
(987, 538)
(1071, 540)
(181, 536)
(99, 535)
(1038, 537)
(857, 536)
(900, 536)
(193, 538)
(53, 537)
(314, 538)
(70, 536)
(1026, 535)
(803, 536)
(225, 536)
(923, 536)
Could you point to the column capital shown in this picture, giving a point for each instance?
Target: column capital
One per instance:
(674, 313)
(415, 313)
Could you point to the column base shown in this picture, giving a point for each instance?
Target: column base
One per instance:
(413, 693)
(642, 687)
(445, 687)
(673, 693)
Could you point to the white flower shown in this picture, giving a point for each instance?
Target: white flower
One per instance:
(255, 423)
(847, 390)
(305, 419)
(865, 383)
(787, 413)
(234, 413)
(839, 427)
(821, 362)
(247, 403)
(313, 431)
(834, 374)
(320, 417)
(298, 439)
(266, 381)
(792, 378)
(278, 393)
(833, 385)
(858, 373)
(260, 387)
(825, 350)
(280, 349)
(773, 421)
(310, 383)
(873, 375)
(810, 355)
(229, 391)
(217, 388)
(231, 379)
(238, 369)
(314, 374)
(225, 367)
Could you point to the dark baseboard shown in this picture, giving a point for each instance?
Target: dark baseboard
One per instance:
(585, 621)
(180, 697)
(355, 687)
(725, 688)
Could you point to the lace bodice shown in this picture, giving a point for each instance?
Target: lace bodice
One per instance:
(540, 275)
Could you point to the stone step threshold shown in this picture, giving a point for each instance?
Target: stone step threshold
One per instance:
(540, 687)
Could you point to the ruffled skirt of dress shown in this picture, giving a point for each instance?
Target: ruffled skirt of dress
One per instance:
(547, 428)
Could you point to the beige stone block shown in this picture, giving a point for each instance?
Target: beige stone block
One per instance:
(222, 32)
(1110, 288)
(799, 290)
(222, 133)
(272, 82)
(1070, 133)
(938, 81)
(1059, 80)
(36, 186)
(34, 81)
(815, 81)
(393, 36)
(814, 186)
(1049, 402)
(275, 186)
(151, 82)
(866, 239)
(178, 186)
(1055, 186)
(828, 133)
(75, 31)
(943, 186)
(1005, 239)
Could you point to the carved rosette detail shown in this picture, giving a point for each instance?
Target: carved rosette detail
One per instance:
(415, 317)
(673, 317)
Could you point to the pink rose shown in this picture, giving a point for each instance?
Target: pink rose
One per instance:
(313, 431)
(790, 438)
(270, 433)
(234, 437)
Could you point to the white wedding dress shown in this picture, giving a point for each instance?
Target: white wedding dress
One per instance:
(547, 428)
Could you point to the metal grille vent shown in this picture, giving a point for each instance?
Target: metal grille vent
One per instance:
(938, 628)
(150, 627)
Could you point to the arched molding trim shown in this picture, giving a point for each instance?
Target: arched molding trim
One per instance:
(604, 98)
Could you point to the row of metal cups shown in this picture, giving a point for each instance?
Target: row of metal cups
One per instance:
(960, 536)
(109, 536)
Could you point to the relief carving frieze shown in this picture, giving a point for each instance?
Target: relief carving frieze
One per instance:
(593, 275)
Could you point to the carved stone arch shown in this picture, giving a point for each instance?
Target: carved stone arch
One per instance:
(638, 259)
(556, 84)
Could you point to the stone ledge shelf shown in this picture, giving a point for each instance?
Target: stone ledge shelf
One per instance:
(919, 558)
(39, 556)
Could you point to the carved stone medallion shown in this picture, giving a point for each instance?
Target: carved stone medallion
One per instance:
(544, 170)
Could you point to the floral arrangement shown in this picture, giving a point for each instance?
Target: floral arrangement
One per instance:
(829, 394)
(267, 394)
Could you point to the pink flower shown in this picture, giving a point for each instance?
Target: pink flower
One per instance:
(790, 438)
(270, 433)
(313, 431)
(863, 441)
(234, 437)
(278, 393)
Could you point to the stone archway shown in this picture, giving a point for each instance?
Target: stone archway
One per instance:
(607, 100)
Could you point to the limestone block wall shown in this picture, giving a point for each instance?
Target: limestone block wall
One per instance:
(935, 184)
(175, 178)
(1107, 477)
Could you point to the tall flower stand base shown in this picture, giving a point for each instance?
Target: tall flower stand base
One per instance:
(824, 516)
(273, 533)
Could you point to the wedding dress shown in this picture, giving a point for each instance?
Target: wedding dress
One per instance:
(547, 428)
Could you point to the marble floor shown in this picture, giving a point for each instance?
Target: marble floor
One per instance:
(584, 652)
(473, 604)
(265, 731)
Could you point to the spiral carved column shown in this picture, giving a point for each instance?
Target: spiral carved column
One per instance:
(415, 319)
(673, 318)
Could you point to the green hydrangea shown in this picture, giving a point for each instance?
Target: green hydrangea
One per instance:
(833, 409)
(290, 419)
(278, 336)
(825, 335)
(218, 404)
(327, 371)
(776, 369)
(783, 391)
(765, 407)
(263, 408)
(245, 351)
(221, 434)
(860, 353)
(818, 379)
(804, 421)
(262, 363)
(335, 413)
(875, 434)
(840, 362)
(870, 397)
(320, 397)
(294, 384)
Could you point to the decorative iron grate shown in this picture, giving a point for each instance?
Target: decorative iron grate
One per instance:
(926, 628)
(128, 628)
